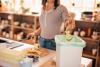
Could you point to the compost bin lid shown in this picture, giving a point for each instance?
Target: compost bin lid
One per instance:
(69, 40)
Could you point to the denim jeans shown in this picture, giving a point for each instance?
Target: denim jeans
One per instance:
(47, 43)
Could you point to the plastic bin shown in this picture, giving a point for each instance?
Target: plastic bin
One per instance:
(69, 50)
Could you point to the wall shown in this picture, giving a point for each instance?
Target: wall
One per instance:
(76, 6)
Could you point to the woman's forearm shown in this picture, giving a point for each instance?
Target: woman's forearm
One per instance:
(37, 31)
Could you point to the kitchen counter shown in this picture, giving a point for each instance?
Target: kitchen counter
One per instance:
(42, 60)
(47, 60)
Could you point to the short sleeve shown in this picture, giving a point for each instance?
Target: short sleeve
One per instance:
(64, 13)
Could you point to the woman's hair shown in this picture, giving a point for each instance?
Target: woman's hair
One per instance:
(56, 3)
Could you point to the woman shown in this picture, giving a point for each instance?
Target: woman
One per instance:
(51, 18)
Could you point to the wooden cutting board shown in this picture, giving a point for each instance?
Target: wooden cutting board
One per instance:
(53, 64)
(49, 64)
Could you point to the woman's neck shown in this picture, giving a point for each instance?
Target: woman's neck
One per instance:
(49, 6)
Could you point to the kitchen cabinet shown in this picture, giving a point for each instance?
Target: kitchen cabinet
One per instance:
(91, 43)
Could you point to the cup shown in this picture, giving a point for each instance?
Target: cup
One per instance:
(27, 62)
(76, 33)
(94, 51)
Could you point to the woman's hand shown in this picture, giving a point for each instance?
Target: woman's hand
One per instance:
(36, 32)
(70, 25)
(30, 35)
(71, 21)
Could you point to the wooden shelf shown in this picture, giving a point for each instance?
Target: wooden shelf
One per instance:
(90, 39)
(32, 20)
(5, 37)
(7, 25)
(90, 42)
(23, 28)
(88, 54)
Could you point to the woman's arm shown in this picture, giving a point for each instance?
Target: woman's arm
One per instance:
(68, 19)
(36, 32)
(70, 23)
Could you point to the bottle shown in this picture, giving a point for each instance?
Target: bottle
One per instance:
(7, 35)
(94, 14)
(95, 35)
(19, 36)
(82, 33)
(11, 34)
(76, 33)
(89, 32)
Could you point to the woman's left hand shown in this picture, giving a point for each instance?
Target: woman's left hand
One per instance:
(70, 24)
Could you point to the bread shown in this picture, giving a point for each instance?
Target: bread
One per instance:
(41, 52)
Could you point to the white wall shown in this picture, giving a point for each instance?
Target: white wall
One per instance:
(36, 6)
(80, 6)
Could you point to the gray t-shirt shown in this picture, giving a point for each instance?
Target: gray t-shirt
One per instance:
(50, 21)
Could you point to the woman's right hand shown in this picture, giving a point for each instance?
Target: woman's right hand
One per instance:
(36, 32)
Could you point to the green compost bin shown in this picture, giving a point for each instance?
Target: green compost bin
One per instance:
(69, 50)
